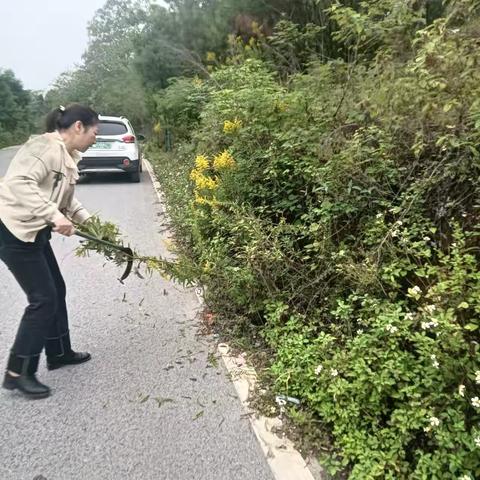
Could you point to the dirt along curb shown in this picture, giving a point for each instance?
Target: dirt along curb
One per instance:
(284, 460)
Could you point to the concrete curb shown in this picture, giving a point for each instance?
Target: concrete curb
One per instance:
(285, 462)
(9, 148)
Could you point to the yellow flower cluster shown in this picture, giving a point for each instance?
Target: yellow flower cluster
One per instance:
(281, 106)
(232, 127)
(205, 181)
(157, 128)
(223, 161)
(256, 29)
(211, 57)
(206, 201)
(201, 163)
(202, 182)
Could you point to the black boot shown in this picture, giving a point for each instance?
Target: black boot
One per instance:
(59, 352)
(69, 358)
(26, 382)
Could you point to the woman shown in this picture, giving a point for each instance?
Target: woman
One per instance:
(36, 197)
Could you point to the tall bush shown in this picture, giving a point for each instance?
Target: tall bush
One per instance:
(337, 217)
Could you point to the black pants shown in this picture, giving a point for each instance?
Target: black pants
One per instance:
(45, 320)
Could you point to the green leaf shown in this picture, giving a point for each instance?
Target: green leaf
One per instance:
(198, 415)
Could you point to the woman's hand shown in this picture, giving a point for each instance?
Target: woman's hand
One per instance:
(63, 225)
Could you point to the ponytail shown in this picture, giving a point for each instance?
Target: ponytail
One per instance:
(61, 118)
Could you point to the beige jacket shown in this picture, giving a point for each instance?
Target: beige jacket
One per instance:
(39, 186)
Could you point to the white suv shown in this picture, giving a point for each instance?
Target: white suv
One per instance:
(116, 150)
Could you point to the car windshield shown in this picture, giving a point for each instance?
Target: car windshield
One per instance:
(111, 128)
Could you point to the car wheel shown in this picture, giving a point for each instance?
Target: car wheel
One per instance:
(135, 177)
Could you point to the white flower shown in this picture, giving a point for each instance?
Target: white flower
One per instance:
(426, 239)
(477, 440)
(318, 369)
(465, 477)
(430, 308)
(415, 292)
(409, 316)
(391, 328)
(428, 325)
(475, 402)
(333, 372)
(477, 377)
(461, 390)
(359, 331)
(434, 361)
(434, 421)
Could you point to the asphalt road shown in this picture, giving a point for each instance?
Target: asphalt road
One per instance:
(149, 405)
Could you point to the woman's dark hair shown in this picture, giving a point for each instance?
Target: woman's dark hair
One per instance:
(64, 117)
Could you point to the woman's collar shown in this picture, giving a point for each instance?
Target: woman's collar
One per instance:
(71, 159)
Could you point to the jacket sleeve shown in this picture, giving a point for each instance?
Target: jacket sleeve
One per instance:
(24, 183)
(77, 212)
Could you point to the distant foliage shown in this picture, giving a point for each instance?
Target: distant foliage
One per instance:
(20, 110)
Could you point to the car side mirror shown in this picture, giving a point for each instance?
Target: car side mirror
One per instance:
(141, 137)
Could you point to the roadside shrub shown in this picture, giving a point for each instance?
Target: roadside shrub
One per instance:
(337, 215)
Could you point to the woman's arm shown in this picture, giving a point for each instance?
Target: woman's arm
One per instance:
(77, 212)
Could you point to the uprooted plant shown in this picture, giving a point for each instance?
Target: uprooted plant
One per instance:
(110, 247)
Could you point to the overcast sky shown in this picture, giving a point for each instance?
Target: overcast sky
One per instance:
(40, 39)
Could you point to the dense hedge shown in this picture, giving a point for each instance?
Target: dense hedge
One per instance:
(337, 214)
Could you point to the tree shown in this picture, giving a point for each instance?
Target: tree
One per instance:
(15, 120)
(107, 79)
(175, 41)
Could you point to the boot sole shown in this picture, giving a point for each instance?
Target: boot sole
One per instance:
(33, 396)
(54, 366)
